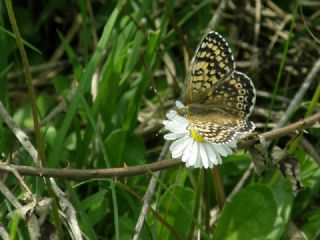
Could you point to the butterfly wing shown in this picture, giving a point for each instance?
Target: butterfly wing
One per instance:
(220, 130)
(212, 63)
(234, 96)
(222, 116)
(218, 98)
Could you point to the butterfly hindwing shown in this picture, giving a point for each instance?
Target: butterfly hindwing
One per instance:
(220, 130)
(212, 63)
(235, 95)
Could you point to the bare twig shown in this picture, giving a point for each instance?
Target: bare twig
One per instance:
(23, 184)
(257, 23)
(157, 166)
(299, 95)
(20, 135)
(69, 212)
(241, 182)
(3, 233)
(92, 24)
(289, 129)
(41, 68)
(33, 222)
(69, 36)
(217, 15)
(148, 195)
(266, 94)
(278, 31)
(9, 195)
(311, 150)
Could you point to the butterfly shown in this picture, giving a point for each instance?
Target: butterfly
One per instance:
(217, 99)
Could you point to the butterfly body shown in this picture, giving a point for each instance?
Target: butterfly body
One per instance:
(218, 99)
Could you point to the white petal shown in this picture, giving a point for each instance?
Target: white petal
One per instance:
(203, 155)
(179, 104)
(181, 120)
(198, 163)
(218, 157)
(174, 145)
(174, 136)
(174, 116)
(210, 163)
(179, 147)
(233, 143)
(211, 154)
(165, 122)
(174, 126)
(220, 150)
(171, 114)
(228, 149)
(194, 154)
(187, 150)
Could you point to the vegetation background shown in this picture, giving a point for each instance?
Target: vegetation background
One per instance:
(104, 74)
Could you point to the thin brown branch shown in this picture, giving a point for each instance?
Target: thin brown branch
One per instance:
(68, 173)
(280, 132)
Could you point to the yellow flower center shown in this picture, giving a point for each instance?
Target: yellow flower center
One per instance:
(196, 136)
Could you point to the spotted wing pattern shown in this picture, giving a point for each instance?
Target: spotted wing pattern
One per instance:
(219, 99)
(234, 96)
(221, 129)
(212, 63)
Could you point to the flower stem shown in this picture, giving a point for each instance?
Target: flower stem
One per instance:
(218, 187)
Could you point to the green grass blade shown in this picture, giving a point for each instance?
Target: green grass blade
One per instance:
(33, 48)
(283, 61)
(107, 161)
(84, 84)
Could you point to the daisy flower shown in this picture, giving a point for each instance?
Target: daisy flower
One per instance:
(190, 146)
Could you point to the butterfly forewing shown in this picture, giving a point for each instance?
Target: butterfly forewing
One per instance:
(218, 99)
(212, 63)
